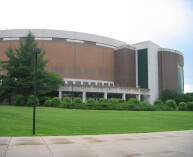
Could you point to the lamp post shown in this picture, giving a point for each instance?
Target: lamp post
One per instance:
(36, 52)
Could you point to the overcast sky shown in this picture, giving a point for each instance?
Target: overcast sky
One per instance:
(168, 23)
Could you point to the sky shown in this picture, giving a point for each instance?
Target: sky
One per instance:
(168, 23)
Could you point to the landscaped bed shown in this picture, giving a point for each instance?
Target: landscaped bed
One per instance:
(17, 121)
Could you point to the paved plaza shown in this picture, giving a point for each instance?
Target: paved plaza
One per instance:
(157, 144)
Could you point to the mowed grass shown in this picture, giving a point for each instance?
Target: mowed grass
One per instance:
(17, 121)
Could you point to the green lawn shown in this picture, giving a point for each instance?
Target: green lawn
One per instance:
(17, 121)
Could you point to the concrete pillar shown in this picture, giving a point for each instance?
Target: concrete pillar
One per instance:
(139, 97)
(139, 94)
(60, 94)
(124, 96)
(105, 95)
(84, 96)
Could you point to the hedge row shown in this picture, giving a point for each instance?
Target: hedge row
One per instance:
(132, 104)
(21, 100)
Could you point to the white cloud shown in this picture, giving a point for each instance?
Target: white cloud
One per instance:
(188, 88)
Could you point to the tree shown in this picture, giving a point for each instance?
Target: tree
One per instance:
(20, 71)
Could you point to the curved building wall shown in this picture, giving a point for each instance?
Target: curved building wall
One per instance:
(170, 71)
(74, 60)
(125, 67)
(86, 59)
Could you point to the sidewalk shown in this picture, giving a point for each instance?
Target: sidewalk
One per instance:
(157, 144)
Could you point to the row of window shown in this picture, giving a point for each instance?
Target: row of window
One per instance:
(89, 83)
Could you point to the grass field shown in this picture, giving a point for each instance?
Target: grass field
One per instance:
(17, 121)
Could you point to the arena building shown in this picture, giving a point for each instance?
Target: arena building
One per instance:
(99, 67)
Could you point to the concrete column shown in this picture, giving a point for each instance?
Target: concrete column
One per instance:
(105, 95)
(124, 96)
(60, 94)
(139, 95)
(84, 96)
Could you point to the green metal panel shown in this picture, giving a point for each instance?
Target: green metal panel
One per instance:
(143, 68)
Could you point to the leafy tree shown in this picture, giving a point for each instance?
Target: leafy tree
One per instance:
(19, 68)
(167, 94)
(190, 106)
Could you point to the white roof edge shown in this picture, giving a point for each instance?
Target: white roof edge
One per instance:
(171, 50)
(48, 33)
(146, 42)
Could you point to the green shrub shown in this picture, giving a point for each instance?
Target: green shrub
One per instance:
(145, 103)
(133, 101)
(67, 100)
(19, 100)
(55, 102)
(42, 99)
(90, 100)
(121, 101)
(190, 106)
(113, 100)
(30, 100)
(163, 107)
(103, 100)
(77, 100)
(158, 102)
(120, 106)
(48, 103)
(182, 106)
(171, 103)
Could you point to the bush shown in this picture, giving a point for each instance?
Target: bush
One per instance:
(158, 102)
(121, 101)
(133, 101)
(163, 107)
(113, 100)
(77, 100)
(182, 106)
(190, 106)
(90, 100)
(67, 100)
(171, 103)
(55, 102)
(145, 103)
(30, 100)
(103, 100)
(42, 99)
(48, 103)
(19, 100)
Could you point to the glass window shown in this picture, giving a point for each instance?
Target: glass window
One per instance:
(105, 84)
(70, 82)
(93, 83)
(85, 83)
(99, 84)
(78, 82)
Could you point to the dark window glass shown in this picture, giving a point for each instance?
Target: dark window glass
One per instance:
(78, 82)
(105, 84)
(99, 84)
(70, 82)
(93, 83)
(85, 83)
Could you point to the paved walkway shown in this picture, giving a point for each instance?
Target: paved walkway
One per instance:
(158, 144)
